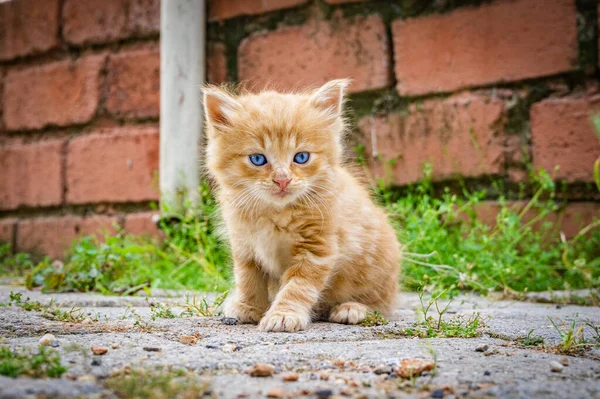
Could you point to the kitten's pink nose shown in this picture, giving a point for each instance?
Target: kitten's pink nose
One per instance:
(282, 182)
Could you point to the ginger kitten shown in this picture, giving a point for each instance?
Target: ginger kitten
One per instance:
(306, 239)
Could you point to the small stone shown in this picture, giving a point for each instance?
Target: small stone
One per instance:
(290, 377)
(564, 361)
(47, 339)
(323, 393)
(481, 348)
(55, 344)
(99, 350)
(486, 372)
(339, 381)
(212, 347)
(96, 362)
(276, 393)
(228, 348)
(262, 370)
(87, 378)
(188, 340)
(438, 393)
(556, 367)
(324, 375)
(230, 321)
(339, 363)
(238, 348)
(409, 368)
(151, 349)
(115, 346)
(382, 369)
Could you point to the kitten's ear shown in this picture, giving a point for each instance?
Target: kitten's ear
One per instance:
(219, 106)
(330, 96)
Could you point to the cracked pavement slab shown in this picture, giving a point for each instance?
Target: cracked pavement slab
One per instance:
(224, 353)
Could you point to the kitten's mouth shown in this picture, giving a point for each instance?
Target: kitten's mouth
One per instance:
(282, 193)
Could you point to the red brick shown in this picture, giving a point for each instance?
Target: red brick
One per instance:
(52, 236)
(7, 230)
(569, 219)
(224, 9)
(134, 84)
(144, 17)
(117, 165)
(142, 224)
(502, 41)
(61, 93)
(216, 63)
(31, 175)
(94, 21)
(562, 134)
(28, 27)
(319, 51)
(461, 135)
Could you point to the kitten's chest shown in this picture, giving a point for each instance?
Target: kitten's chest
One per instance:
(271, 244)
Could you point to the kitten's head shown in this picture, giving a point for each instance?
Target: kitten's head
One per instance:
(275, 148)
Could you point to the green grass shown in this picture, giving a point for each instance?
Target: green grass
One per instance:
(43, 363)
(190, 257)
(446, 248)
(374, 319)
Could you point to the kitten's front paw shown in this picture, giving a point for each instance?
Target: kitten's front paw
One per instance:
(242, 312)
(284, 322)
(348, 313)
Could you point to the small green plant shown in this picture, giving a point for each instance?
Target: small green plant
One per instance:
(572, 338)
(158, 384)
(14, 265)
(374, 319)
(531, 340)
(201, 307)
(459, 326)
(51, 311)
(43, 363)
(161, 311)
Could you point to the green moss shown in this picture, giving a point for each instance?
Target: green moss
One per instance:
(374, 319)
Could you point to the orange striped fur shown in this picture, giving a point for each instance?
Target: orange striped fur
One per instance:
(319, 248)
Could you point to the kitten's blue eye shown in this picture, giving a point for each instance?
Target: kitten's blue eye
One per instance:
(301, 157)
(258, 159)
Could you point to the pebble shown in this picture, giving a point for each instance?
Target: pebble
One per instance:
(324, 375)
(228, 348)
(55, 343)
(339, 363)
(230, 321)
(47, 339)
(96, 362)
(409, 368)
(438, 393)
(276, 393)
(556, 367)
(383, 369)
(99, 350)
(115, 346)
(486, 372)
(564, 361)
(151, 349)
(262, 370)
(291, 377)
(323, 393)
(481, 348)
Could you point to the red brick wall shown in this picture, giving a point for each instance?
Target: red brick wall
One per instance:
(481, 90)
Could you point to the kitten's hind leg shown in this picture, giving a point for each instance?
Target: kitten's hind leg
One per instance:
(348, 313)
